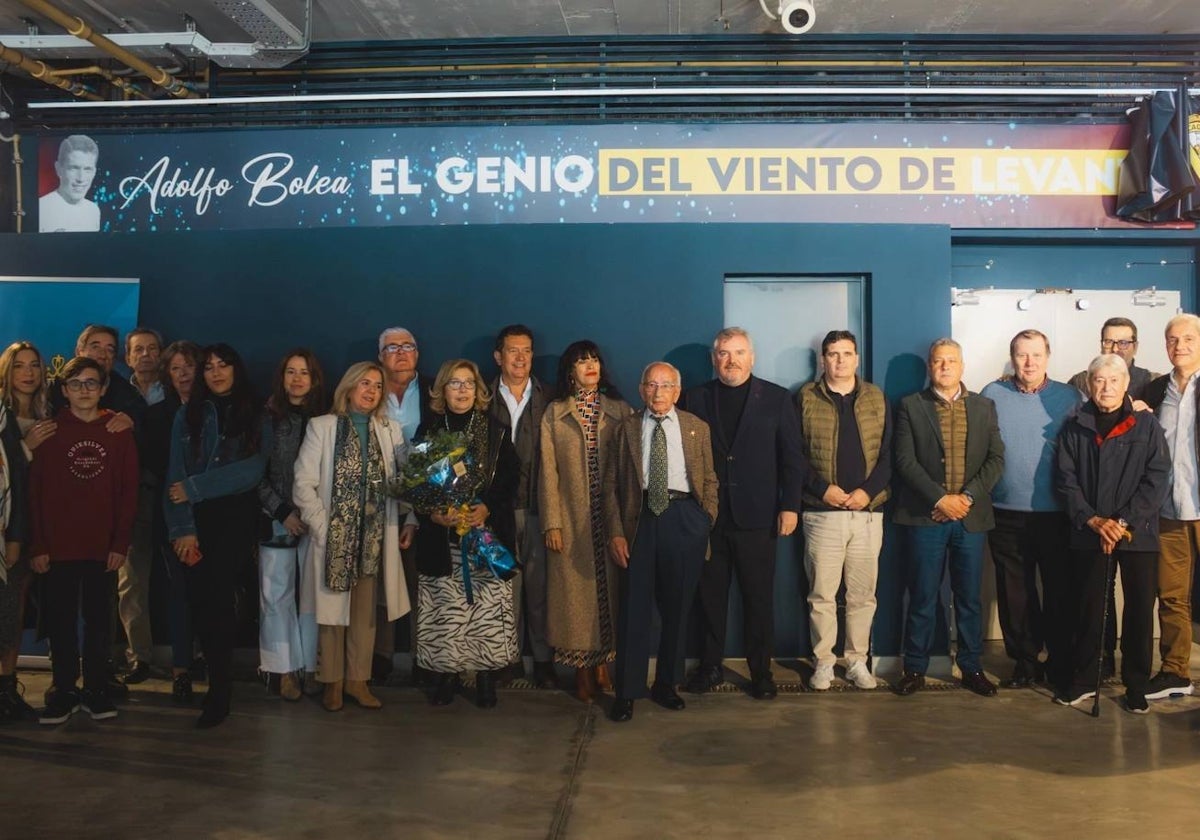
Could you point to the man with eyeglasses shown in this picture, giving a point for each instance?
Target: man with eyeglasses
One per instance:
(847, 436)
(407, 404)
(99, 342)
(1175, 400)
(1119, 337)
(83, 500)
(660, 502)
(522, 402)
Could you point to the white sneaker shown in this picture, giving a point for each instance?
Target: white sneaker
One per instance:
(858, 674)
(822, 678)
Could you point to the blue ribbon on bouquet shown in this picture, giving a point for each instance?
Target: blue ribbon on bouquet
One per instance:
(482, 549)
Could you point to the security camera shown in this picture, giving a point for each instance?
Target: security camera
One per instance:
(797, 16)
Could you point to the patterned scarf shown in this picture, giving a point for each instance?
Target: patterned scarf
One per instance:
(358, 510)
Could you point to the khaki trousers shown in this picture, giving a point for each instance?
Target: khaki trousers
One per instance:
(344, 653)
(842, 546)
(1177, 545)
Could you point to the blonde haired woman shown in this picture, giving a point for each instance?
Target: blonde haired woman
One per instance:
(346, 461)
(453, 633)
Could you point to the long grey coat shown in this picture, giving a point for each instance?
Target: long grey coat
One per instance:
(573, 621)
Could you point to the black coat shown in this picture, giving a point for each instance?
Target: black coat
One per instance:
(1126, 477)
(529, 433)
(921, 464)
(763, 469)
(504, 471)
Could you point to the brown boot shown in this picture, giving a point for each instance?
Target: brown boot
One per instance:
(289, 687)
(332, 701)
(585, 684)
(357, 691)
(603, 680)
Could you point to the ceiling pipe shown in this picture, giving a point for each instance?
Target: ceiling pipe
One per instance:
(78, 28)
(42, 72)
(96, 70)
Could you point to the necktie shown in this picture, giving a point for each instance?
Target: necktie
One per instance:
(656, 483)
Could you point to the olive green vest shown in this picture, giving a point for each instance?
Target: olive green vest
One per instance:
(819, 420)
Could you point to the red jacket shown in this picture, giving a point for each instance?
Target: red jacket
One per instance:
(83, 491)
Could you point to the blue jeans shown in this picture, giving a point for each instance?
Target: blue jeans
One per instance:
(930, 547)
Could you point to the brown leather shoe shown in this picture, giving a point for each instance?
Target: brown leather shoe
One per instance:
(585, 684)
(910, 683)
(603, 679)
(332, 701)
(289, 687)
(360, 694)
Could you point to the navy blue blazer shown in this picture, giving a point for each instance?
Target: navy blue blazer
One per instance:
(762, 470)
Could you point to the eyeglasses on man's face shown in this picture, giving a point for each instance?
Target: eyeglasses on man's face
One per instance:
(393, 349)
(77, 385)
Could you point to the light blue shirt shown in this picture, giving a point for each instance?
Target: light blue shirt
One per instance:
(156, 394)
(407, 413)
(677, 478)
(1177, 415)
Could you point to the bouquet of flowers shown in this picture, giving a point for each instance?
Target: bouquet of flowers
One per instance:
(442, 474)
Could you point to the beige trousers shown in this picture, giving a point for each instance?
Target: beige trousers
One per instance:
(842, 545)
(344, 653)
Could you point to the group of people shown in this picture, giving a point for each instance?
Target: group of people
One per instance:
(612, 512)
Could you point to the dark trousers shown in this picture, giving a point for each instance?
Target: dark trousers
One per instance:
(931, 549)
(751, 554)
(73, 586)
(1089, 583)
(664, 567)
(180, 611)
(226, 530)
(1025, 545)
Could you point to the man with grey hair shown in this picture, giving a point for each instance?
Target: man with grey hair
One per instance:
(1175, 400)
(660, 501)
(67, 209)
(760, 464)
(949, 456)
(407, 404)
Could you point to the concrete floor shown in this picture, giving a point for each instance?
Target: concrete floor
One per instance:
(542, 765)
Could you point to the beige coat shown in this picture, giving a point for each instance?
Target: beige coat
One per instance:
(573, 621)
(312, 492)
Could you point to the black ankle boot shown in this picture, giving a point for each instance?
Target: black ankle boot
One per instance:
(485, 689)
(444, 690)
(214, 708)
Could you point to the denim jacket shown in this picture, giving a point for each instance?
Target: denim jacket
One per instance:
(222, 468)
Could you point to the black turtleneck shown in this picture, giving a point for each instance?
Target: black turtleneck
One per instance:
(222, 404)
(1106, 421)
(731, 402)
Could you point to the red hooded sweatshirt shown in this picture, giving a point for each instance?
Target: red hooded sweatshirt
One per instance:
(83, 485)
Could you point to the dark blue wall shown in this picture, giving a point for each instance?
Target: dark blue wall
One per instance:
(641, 291)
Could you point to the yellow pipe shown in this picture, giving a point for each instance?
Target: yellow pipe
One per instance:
(42, 72)
(77, 27)
(96, 70)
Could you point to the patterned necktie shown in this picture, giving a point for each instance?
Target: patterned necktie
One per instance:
(656, 484)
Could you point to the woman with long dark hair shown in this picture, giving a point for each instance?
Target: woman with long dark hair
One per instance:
(22, 408)
(287, 638)
(581, 586)
(219, 443)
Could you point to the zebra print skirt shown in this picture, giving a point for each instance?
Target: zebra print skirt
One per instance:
(453, 635)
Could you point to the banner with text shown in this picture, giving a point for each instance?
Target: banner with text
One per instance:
(973, 175)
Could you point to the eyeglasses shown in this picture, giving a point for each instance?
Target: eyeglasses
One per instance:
(660, 386)
(77, 385)
(393, 349)
(1120, 344)
(461, 384)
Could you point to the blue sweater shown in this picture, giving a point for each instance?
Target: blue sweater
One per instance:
(1029, 426)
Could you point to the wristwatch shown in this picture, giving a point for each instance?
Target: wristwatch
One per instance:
(970, 496)
(1123, 523)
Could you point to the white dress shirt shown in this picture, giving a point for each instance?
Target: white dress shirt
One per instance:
(1177, 414)
(515, 407)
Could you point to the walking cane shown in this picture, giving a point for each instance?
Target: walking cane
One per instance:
(1109, 571)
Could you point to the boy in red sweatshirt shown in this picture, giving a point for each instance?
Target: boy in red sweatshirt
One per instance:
(83, 502)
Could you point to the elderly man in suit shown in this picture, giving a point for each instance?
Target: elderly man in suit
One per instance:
(660, 502)
(761, 467)
(949, 456)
